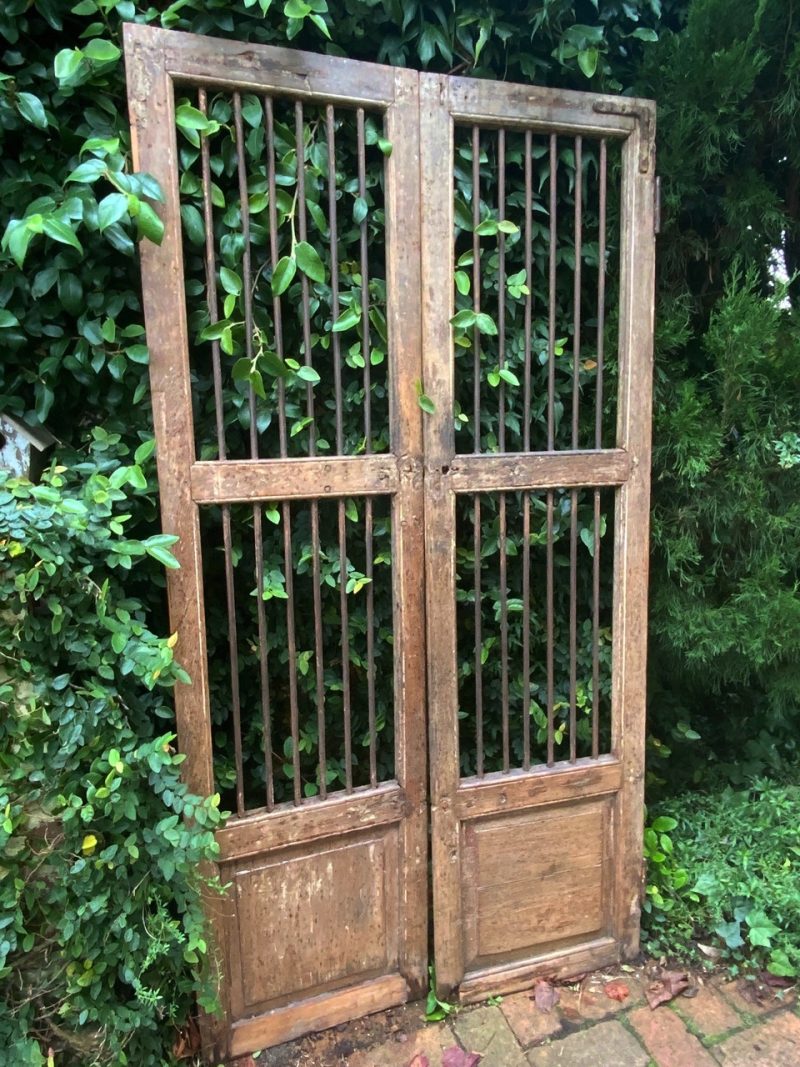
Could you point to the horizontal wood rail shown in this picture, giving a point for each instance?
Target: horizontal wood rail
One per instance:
(287, 825)
(240, 481)
(540, 785)
(538, 470)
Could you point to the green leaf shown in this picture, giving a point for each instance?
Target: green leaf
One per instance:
(349, 317)
(508, 376)
(309, 261)
(67, 63)
(111, 209)
(761, 929)
(321, 25)
(191, 118)
(100, 51)
(7, 319)
(61, 232)
(296, 9)
(587, 61)
(360, 210)
(462, 282)
(148, 223)
(464, 319)
(308, 374)
(32, 110)
(664, 823)
(643, 33)
(230, 280)
(163, 556)
(485, 324)
(426, 404)
(282, 276)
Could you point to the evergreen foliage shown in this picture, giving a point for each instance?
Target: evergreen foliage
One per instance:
(726, 626)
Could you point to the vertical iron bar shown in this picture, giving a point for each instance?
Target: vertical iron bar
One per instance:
(573, 514)
(526, 447)
(476, 431)
(230, 597)
(316, 578)
(551, 325)
(368, 519)
(501, 359)
(551, 335)
(337, 370)
(286, 512)
(598, 443)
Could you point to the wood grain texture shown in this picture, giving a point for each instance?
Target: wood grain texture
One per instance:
(154, 149)
(541, 785)
(317, 1013)
(536, 108)
(436, 141)
(310, 920)
(308, 478)
(562, 962)
(403, 222)
(632, 520)
(285, 825)
(538, 470)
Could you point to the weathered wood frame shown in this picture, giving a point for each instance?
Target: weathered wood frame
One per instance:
(423, 477)
(393, 816)
(459, 806)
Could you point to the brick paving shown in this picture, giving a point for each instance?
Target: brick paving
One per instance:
(721, 1024)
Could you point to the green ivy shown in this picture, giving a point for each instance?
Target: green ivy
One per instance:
(103, 941)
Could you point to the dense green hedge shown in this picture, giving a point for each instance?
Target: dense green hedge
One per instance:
(726, 627)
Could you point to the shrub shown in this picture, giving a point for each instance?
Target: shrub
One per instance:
(724, 875)
(102, 937)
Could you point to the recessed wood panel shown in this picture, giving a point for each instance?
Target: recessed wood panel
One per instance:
(535, 879)
(308, 923)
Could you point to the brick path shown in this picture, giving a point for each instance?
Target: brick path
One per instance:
(726, 1024)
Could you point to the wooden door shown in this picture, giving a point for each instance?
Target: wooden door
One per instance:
(310, 719)
(543, 201)
(467, 266)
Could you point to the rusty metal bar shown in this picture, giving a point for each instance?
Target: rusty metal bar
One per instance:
(549, 614)
(364, 265)
(368, 574)
(476, 287)
(476, 548)
(526, 417)
(573, 516)
(273, 246)
(551, 326)
(526, 631)
(598, 436)
(291, 642)
(337, 370)
(476, 431)
(211, 279)
(501, 286)
(299, 131)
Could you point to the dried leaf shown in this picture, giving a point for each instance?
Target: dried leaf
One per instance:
(545, 995)
(666, 987)
(710, 951)
(616, 990)
(457, 1057)
(777, 981)
(420, 1060)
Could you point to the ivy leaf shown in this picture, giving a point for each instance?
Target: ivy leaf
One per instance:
(230, 280)
(360, 210)
(282, 276)
(349, 317)
(309, 261)
(67, 63)
(111, 209)
(587, 61)
(101, 51)
(761, 930)
(61, 232)
(32, 110)
(148, 224)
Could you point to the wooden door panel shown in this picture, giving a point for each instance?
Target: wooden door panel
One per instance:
(536, 755)
(326, 914)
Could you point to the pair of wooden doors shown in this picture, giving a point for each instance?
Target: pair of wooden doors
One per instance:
(441, 672)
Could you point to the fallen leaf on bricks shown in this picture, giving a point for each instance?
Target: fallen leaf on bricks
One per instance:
(457, 1057)
(545, 995)
(666, 987)
(420, 1060)
(616, 991)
